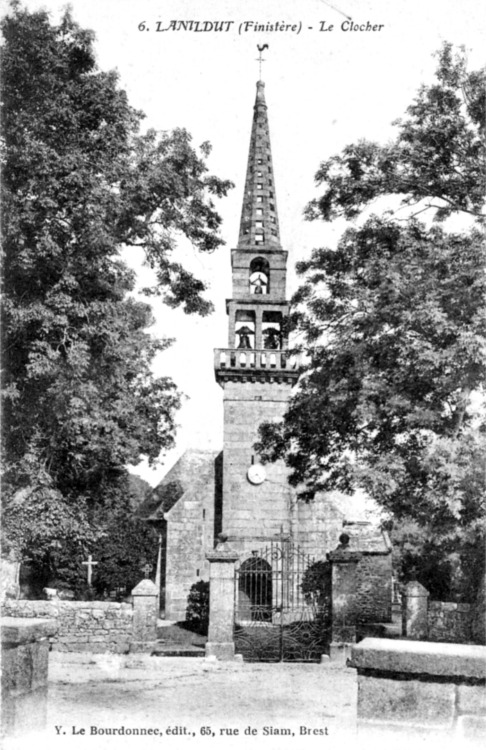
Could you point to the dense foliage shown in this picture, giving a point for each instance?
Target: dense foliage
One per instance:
(80, 183)
(393, 327)
(197, 612)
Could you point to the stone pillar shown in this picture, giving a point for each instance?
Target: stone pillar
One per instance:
(221, 601)
(343, 599)
(144, 629)
(258, 328)
(25, 658)
(415, 610)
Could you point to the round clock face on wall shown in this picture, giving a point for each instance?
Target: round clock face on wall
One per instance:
(256, 474)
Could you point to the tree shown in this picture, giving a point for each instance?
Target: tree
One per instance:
(393, 329)
(81, 182)
(436, 162)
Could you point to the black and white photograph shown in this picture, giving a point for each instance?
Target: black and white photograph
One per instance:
(243, 367)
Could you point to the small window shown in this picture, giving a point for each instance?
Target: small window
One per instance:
(259, 212)
(260, 185)
(259, 199)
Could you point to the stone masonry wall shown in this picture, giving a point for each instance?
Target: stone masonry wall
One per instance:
(96, 627)
(373, 588)
(252, 512)
(449, 622)
(190, 536)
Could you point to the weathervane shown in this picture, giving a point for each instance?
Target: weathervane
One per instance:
(260, 58)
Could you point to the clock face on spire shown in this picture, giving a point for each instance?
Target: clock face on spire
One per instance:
(256, 474)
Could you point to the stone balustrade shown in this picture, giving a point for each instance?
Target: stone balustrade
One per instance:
(255, 359)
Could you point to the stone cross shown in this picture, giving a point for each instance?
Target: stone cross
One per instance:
(89, 563)
(147, 569)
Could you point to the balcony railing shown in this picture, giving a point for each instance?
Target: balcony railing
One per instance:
(254, 359)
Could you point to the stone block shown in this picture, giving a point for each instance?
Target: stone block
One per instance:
(25, 655)
(24, 713)
(471, 727)
(406, 701)
(471, 699)
(420, 657)
(220, 651)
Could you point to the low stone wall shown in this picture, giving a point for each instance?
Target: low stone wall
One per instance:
(95, 627)
(421, 687)
(449, 622)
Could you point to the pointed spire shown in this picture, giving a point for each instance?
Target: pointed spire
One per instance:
(259, 218)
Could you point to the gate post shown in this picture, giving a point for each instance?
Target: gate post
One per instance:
(343, 598)
(145, 613)
(415, 610)
(221, 601)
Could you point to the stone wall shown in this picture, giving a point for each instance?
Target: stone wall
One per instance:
(95, 627)
(191, 526)
(421, 688)
(450, 622)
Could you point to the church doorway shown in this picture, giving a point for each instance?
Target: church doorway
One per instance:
(276, 619)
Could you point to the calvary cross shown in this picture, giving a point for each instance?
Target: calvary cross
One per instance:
(89, 562)
(147, 569)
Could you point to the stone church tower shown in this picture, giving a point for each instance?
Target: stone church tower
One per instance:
(206, 491)
(255, 370)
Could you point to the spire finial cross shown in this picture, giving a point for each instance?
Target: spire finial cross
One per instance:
(260, 58)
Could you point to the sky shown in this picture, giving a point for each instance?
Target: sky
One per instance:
(325, 88)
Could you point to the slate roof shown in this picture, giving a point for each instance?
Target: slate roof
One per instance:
(191, 470)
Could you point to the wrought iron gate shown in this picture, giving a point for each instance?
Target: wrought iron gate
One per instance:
(275, 620)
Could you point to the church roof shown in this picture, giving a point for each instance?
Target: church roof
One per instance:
(192, 469)
(259, 218)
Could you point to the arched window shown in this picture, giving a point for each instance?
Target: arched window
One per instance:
(259, 276)
(245, 329)
(272, 330)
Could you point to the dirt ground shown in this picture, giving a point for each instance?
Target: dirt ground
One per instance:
(194, 703)
(102, 702)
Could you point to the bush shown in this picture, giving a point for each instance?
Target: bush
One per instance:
(197, 612)
(317, 587)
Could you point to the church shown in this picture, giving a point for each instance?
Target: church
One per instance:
(209, 492)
